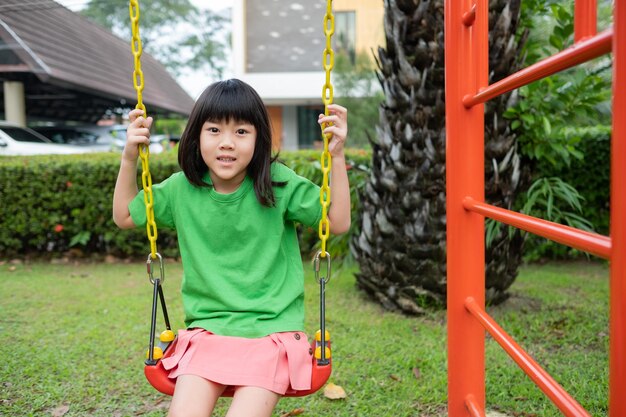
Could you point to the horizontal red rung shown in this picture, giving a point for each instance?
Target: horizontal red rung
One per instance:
(568, 406)
(577, 54)
(586, 241)
(473, 408)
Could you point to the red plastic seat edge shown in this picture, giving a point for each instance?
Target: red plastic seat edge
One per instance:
(157, 377)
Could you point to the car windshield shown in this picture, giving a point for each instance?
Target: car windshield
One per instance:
(119, 133)
(68, 136)
(22, 135)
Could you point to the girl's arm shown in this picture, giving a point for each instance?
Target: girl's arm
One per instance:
(339, 212)
(138, 132)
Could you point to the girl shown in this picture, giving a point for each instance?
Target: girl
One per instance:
(234, 209)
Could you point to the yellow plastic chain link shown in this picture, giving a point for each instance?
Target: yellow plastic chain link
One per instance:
(144, 151)
(327, 98)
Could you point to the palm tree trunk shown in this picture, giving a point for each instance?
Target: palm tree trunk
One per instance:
(401, 246)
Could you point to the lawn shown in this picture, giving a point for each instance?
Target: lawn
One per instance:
(74, 336)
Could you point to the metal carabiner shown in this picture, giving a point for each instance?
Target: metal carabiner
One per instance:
(317, 262)
(150, 267)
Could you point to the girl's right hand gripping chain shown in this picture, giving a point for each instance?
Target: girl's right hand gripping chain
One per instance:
(137, 133)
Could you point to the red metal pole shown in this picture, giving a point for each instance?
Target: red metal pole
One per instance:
(617, 326)
(585, 19)
(466, 50)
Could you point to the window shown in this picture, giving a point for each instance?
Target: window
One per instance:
(345, 34)
(309, 132)
(23, 135)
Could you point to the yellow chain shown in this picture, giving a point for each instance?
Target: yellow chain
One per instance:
(327, 98)
(144, 151)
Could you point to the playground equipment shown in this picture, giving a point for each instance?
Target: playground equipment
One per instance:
(467, 88)
(320, 347)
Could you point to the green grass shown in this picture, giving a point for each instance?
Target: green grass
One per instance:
(73, 338)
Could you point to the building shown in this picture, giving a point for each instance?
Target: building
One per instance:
(278, 48)
(55, 65)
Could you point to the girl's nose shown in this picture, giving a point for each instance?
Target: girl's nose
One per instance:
(226, 142)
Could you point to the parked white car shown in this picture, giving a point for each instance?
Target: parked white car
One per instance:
(75, 136)
(115, 135)
(17, 140)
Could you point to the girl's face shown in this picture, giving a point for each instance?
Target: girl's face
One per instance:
(227, 149)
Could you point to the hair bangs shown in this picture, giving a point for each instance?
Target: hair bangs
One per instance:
(232, 100)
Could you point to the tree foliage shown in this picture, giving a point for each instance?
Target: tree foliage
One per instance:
(356, 88)
(554, 118)
(550, 113)
(177, 33)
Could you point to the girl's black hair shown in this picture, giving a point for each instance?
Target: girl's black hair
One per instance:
(224, 101)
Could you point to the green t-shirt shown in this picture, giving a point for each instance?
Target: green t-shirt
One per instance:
(242, 267)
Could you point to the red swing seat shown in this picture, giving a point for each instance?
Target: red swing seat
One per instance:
(157, 375)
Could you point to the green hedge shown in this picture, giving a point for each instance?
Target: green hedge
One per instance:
(591, 177)
(50, 205)
(307, 164)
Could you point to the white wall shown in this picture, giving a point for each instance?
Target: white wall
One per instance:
(274, 88)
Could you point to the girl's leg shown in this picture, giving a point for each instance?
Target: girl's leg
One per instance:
(194, 396)
(252, 402)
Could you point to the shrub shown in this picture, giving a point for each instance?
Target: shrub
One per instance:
(52, 204)
(307, 164)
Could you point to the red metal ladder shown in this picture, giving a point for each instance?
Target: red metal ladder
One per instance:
(467, 89)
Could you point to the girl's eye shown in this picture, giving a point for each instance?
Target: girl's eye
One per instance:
(241, 131)
(214, 130)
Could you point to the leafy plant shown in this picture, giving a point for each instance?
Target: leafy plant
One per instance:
(543, 196)
(545, 116)
(81, 238)
(551, 199)
(554, 119)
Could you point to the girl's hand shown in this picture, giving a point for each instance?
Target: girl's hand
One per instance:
(337, 125)
(137, 133)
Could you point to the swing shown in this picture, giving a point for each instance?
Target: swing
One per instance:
(321, 362)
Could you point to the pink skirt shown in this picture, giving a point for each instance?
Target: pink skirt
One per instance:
(277, 362)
